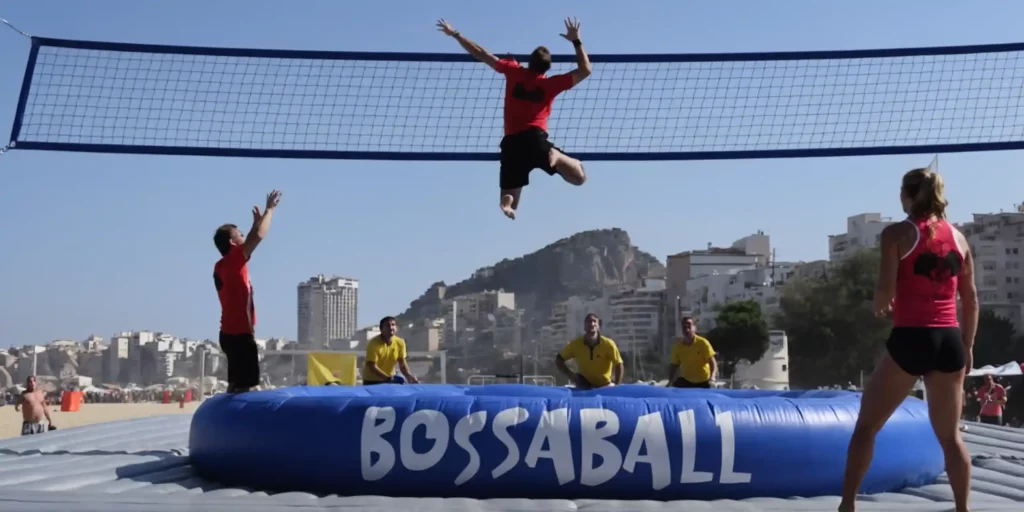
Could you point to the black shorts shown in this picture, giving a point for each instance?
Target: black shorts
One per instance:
(683, 383)
(582, 383)
(991, 420)
(922, 350)
(523, 152)
(395, 379)
(243, 359)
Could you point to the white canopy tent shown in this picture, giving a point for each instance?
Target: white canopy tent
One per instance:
(1010, 369)
(1007, 370)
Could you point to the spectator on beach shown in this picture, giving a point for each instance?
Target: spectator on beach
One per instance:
(32, 404)
(992, 397)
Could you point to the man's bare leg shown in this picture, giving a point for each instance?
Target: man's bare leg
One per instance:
(510, 201)
(570, 169)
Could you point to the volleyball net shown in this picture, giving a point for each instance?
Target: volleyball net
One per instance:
(131, 98)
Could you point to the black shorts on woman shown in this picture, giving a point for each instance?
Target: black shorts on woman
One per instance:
(921, 350)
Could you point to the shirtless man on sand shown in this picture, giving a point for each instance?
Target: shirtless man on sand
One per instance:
(33, 409)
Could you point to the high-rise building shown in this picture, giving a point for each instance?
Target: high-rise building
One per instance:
(327, 308)
(863, 231)
(997, 241)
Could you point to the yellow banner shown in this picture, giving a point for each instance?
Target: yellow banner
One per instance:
(324, 367)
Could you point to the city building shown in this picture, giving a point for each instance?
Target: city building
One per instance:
(464, 316)
(758, 244)
(682, 267)
(115, 359)
(424, 336)
(139, 362)
(997, 241)
(634, 318)
(706, 294)
(863, 231)
(474, 307)
(769, 372)
(327, 310)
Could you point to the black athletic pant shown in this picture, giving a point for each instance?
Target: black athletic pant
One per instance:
(991, 420)
(683, 383)
(920, 350)
(243, 360)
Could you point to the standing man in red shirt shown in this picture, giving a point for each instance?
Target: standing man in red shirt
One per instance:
(992, 397)
(238, 312)
(529, 95)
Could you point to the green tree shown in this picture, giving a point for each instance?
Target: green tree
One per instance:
(740, 332)
(833, 333)
(997, 342)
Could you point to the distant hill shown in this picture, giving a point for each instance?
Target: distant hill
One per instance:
(582, 264)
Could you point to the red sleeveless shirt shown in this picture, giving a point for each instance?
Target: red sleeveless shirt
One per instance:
(926, 283)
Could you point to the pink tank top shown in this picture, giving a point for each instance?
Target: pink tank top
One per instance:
(926, 283)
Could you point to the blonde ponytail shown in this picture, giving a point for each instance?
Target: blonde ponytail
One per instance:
(926, 190)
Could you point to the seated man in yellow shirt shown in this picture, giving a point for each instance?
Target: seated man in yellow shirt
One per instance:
(382, 353)
(693, 360)
(596, 356)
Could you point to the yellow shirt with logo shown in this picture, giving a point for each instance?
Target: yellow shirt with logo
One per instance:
(385, 355)
(693, 359)
(596, 362)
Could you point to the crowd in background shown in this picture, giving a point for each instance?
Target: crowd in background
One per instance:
(114, 396)
(977, 394)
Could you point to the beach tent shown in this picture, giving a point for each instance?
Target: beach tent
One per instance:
(1007, 370)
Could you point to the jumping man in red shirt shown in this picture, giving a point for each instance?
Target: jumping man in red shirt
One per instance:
(529, 95)
(238, 312)
(926, 263)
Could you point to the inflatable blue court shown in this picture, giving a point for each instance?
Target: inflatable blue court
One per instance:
(521, 441)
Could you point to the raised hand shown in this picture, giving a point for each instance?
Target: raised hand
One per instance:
(443, 26)
(273, 198)
(572, 29)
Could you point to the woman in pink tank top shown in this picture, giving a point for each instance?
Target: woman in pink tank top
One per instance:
(926, 263)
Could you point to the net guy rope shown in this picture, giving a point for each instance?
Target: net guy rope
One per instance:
(174, 100)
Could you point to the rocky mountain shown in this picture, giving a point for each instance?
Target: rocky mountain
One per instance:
(582, 264)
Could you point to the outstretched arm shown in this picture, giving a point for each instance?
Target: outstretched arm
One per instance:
(572, 34)
(478, 52)
(260, 223)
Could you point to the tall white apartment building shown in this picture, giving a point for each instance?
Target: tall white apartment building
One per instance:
(863, 231)
(327, 308)
(762, 284)
(474, 307)
(749, 251)
(997, 240)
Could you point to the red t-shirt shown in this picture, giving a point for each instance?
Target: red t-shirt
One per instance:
(529, 96)
(926, 282)
(231, 277)
(987, 397)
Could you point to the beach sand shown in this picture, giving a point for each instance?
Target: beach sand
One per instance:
(88, 414)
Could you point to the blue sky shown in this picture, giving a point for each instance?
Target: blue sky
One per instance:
(94, 244)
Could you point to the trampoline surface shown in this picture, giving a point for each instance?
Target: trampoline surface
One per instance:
(142, 465)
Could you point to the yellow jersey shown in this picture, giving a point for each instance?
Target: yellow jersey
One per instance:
(385, 355)
(595, 362)
(693, 359)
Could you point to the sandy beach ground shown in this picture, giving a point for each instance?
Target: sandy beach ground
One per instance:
(88, 414)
